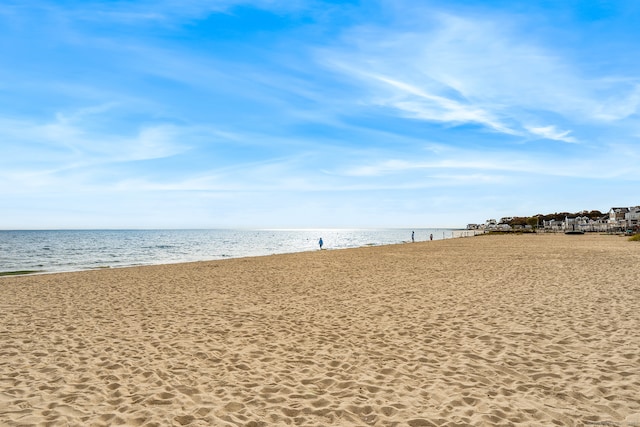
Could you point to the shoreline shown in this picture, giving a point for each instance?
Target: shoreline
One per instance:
(520, 330)
(33, 270)
(21, 273)
(456, 234)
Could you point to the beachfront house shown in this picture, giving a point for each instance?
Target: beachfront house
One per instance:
(553, 225)
(493, 225)
(616, 215)
(632, 218)
(617, 221)
(600, 224)
(578, 223)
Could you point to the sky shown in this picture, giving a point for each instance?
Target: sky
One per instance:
(309, 114)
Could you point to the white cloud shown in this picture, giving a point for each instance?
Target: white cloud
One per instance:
(477, 70)
(391, 167)
(615, 161)
(69, 152)
(620, 104)
(70, 142)
(551, 132)
(417, 103)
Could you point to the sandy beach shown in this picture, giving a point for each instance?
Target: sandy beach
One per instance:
(526, 330)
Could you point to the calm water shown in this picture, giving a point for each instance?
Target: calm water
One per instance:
(71, 250)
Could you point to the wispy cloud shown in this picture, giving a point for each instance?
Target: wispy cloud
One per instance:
(417, 103)
(551, 132)
(620, 104)
(75, 143)
(477, 70)
(67, 153)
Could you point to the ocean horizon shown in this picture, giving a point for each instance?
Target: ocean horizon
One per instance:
(51, 251)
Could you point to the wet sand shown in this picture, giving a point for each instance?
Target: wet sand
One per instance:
(490, 330)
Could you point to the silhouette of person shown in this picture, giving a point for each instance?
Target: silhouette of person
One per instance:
(320, 242)
(412, 236)
(431, 237)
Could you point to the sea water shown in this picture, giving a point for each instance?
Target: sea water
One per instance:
(72, 250)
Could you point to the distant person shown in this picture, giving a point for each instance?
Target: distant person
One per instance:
(413, 236)
(320, 242)
(431, 237)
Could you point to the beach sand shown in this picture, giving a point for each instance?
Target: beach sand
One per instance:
(525, 330)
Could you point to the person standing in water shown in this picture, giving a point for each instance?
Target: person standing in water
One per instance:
(413, 236)
(320, 243)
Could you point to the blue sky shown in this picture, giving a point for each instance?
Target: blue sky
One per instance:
(269, 113)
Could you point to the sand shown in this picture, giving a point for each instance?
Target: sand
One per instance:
(523, 330)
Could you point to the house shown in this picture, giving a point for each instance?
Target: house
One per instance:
(616, 220)
(632, 218)
(553, 225)
(616, 215)
(577, 223)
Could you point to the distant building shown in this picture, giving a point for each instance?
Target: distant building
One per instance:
(577, 223)
(618, 219)
(553, 225)
(617, 214)
(632, 218)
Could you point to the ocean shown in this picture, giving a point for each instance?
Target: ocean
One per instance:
(49, 251)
